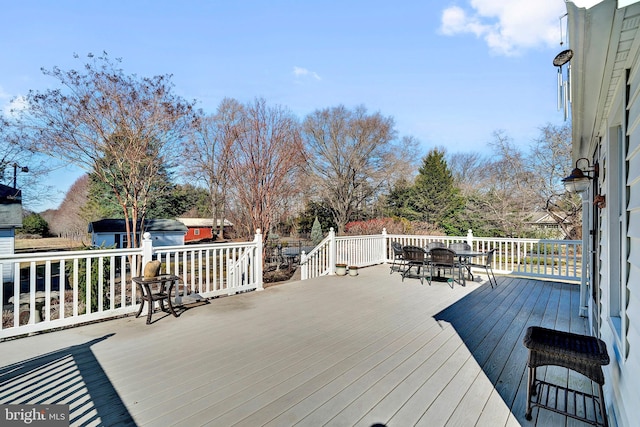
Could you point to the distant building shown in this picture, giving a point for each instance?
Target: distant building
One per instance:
(112, 232)
(201, 228)
(547, 225)
(10, 219)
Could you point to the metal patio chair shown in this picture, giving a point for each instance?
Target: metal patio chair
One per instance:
(460, 246)
(398, 257)
(488, 260)
(444, 259)
(415, 256)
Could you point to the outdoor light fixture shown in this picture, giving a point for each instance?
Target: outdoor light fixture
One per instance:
(578, 182)
(15, 172)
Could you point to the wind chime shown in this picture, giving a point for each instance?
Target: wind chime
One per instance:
(564, 86)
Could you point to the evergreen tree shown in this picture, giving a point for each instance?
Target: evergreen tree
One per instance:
(316, 232)
(34, 224)
(433, 198)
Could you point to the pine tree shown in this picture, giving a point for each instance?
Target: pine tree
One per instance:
(316, 232)
(434, 198)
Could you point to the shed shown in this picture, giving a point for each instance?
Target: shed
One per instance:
(201, 228)
(112, 232)
(10, 219)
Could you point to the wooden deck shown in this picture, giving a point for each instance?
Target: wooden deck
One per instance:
(339, 351)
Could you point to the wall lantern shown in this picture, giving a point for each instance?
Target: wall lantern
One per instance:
(578, 182)
(15, 172)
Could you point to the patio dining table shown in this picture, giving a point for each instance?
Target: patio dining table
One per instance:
(465, 256)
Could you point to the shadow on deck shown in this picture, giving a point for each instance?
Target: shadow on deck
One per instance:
(70, 376)
(327, 351)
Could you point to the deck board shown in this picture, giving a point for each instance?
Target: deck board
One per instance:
(336, 351)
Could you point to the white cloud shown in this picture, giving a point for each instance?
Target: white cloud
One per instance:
(301, 72)
(16, 104)
(508, 27)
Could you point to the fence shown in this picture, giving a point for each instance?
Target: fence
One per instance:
(57, 289)
(552, 259)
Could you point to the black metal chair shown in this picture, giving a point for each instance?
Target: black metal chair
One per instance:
(488, 260)
(445, 259)
(435, 244)
(460, 246)
(398, 257)
(415, 256)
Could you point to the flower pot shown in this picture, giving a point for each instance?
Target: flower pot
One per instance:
(353, 270)
(341, 269)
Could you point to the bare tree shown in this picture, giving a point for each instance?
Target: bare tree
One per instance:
(208, 153)
(505, 187)
(70, 220)
(20, 167)
(352, 157)
(551, 160)
(122, 128)
(267, 156)
(467, 169)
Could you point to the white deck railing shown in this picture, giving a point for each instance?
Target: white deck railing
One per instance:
(57, 289)
(553, 259)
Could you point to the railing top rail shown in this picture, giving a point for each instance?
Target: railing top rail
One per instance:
(360, 237)
(203, 246)
(59, 255)
(485, 239)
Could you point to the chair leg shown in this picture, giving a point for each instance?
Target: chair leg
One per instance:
(406, 271)
(490, 275)
(530, 391)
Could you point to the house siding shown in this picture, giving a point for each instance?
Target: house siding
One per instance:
(606, 98)
(7, 247)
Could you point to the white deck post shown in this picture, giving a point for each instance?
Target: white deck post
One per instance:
(332, 252)
(470, 238)
(258, 263)
(303, 267)
(147, 249)
(585, 279)
(385, 255)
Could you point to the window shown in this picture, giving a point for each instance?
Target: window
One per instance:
(196, 232)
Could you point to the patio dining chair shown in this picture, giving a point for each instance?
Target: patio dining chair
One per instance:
(488, 260)
(415, 256)
(435, 244)
(444, 259)
(398, 257)
(460, 246)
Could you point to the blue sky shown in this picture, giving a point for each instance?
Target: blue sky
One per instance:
(450, 72)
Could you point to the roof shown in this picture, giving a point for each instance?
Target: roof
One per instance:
(150, 225)
(9, 195)
(602, 38)
(542, 218)
(202, 222)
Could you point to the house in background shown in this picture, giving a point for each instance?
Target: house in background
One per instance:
(605, 115)
(546, 225)
(201, 228)
(112, 232)
(10, 219)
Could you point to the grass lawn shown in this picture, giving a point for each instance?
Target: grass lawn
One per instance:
(46, 244)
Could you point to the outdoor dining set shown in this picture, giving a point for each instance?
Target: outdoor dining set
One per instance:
(436, 259)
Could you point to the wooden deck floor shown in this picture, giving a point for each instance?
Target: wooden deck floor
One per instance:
(339, 351)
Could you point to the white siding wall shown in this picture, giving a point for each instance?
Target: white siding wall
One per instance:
(106, 240)
(620, 250)
(7, 246)
(630, 362)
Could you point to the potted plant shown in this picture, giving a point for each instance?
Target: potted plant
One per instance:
(353, 270)
(341, 269)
